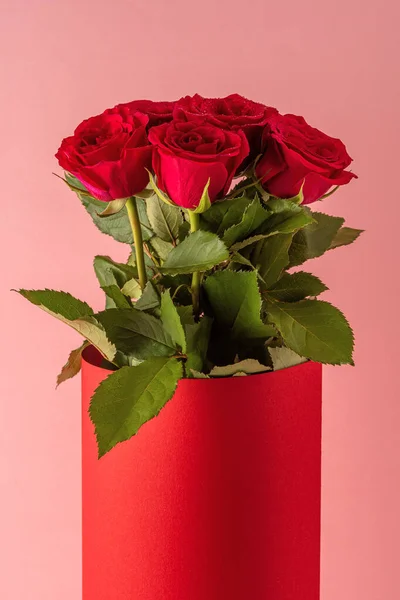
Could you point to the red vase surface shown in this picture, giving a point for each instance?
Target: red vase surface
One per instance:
(217, 498)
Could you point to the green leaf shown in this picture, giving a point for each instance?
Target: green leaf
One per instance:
(73, 364)
(314, 329)
(243, 367)
(130, 397)
(75, 313)
(171, 321)
(236, 303)
(212, 218)
(161, 195)
(149, 298)
(110, 273)
(271, 257)
(197, 336)
(131, 289)
(113, 207)
(250, 241)
(136, 333)
(186, 314)
(116, 296)
(234, 214)
(200, 251)
(184, 231)
(241, 260)
(315, 239)
(286, 217)
(116, 225)
(257, 350)
(252, 217)
(165, 219)
(345, 236)
(198, 375)
(179, 286)
(283, 358)
(296, 286)
(205, 201)
(58, 303)
(161, 248)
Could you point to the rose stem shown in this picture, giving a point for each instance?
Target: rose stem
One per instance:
(133, 215)
(194, 219)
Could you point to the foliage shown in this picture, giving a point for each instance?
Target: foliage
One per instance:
(251, 313)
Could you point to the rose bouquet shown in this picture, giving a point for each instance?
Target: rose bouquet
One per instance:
(208, 289)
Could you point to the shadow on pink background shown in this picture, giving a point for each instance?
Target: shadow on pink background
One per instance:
(337, 64)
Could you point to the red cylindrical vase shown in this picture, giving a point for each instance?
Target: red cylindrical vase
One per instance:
(217, 498)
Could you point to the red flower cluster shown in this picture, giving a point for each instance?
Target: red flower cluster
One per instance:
(195, 140)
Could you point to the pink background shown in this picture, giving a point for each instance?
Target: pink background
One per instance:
(62, 61)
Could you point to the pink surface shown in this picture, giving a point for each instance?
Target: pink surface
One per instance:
(217, 498)
(63, 61)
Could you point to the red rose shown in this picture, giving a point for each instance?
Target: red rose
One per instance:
(233, 112)
(296, 153)
(189, 153)
(109, 154)
(158, 112)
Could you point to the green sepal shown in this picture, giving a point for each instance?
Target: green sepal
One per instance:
(74, 184)
(205, 202)
(157, 190)
(113, 207)
(145, 194)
